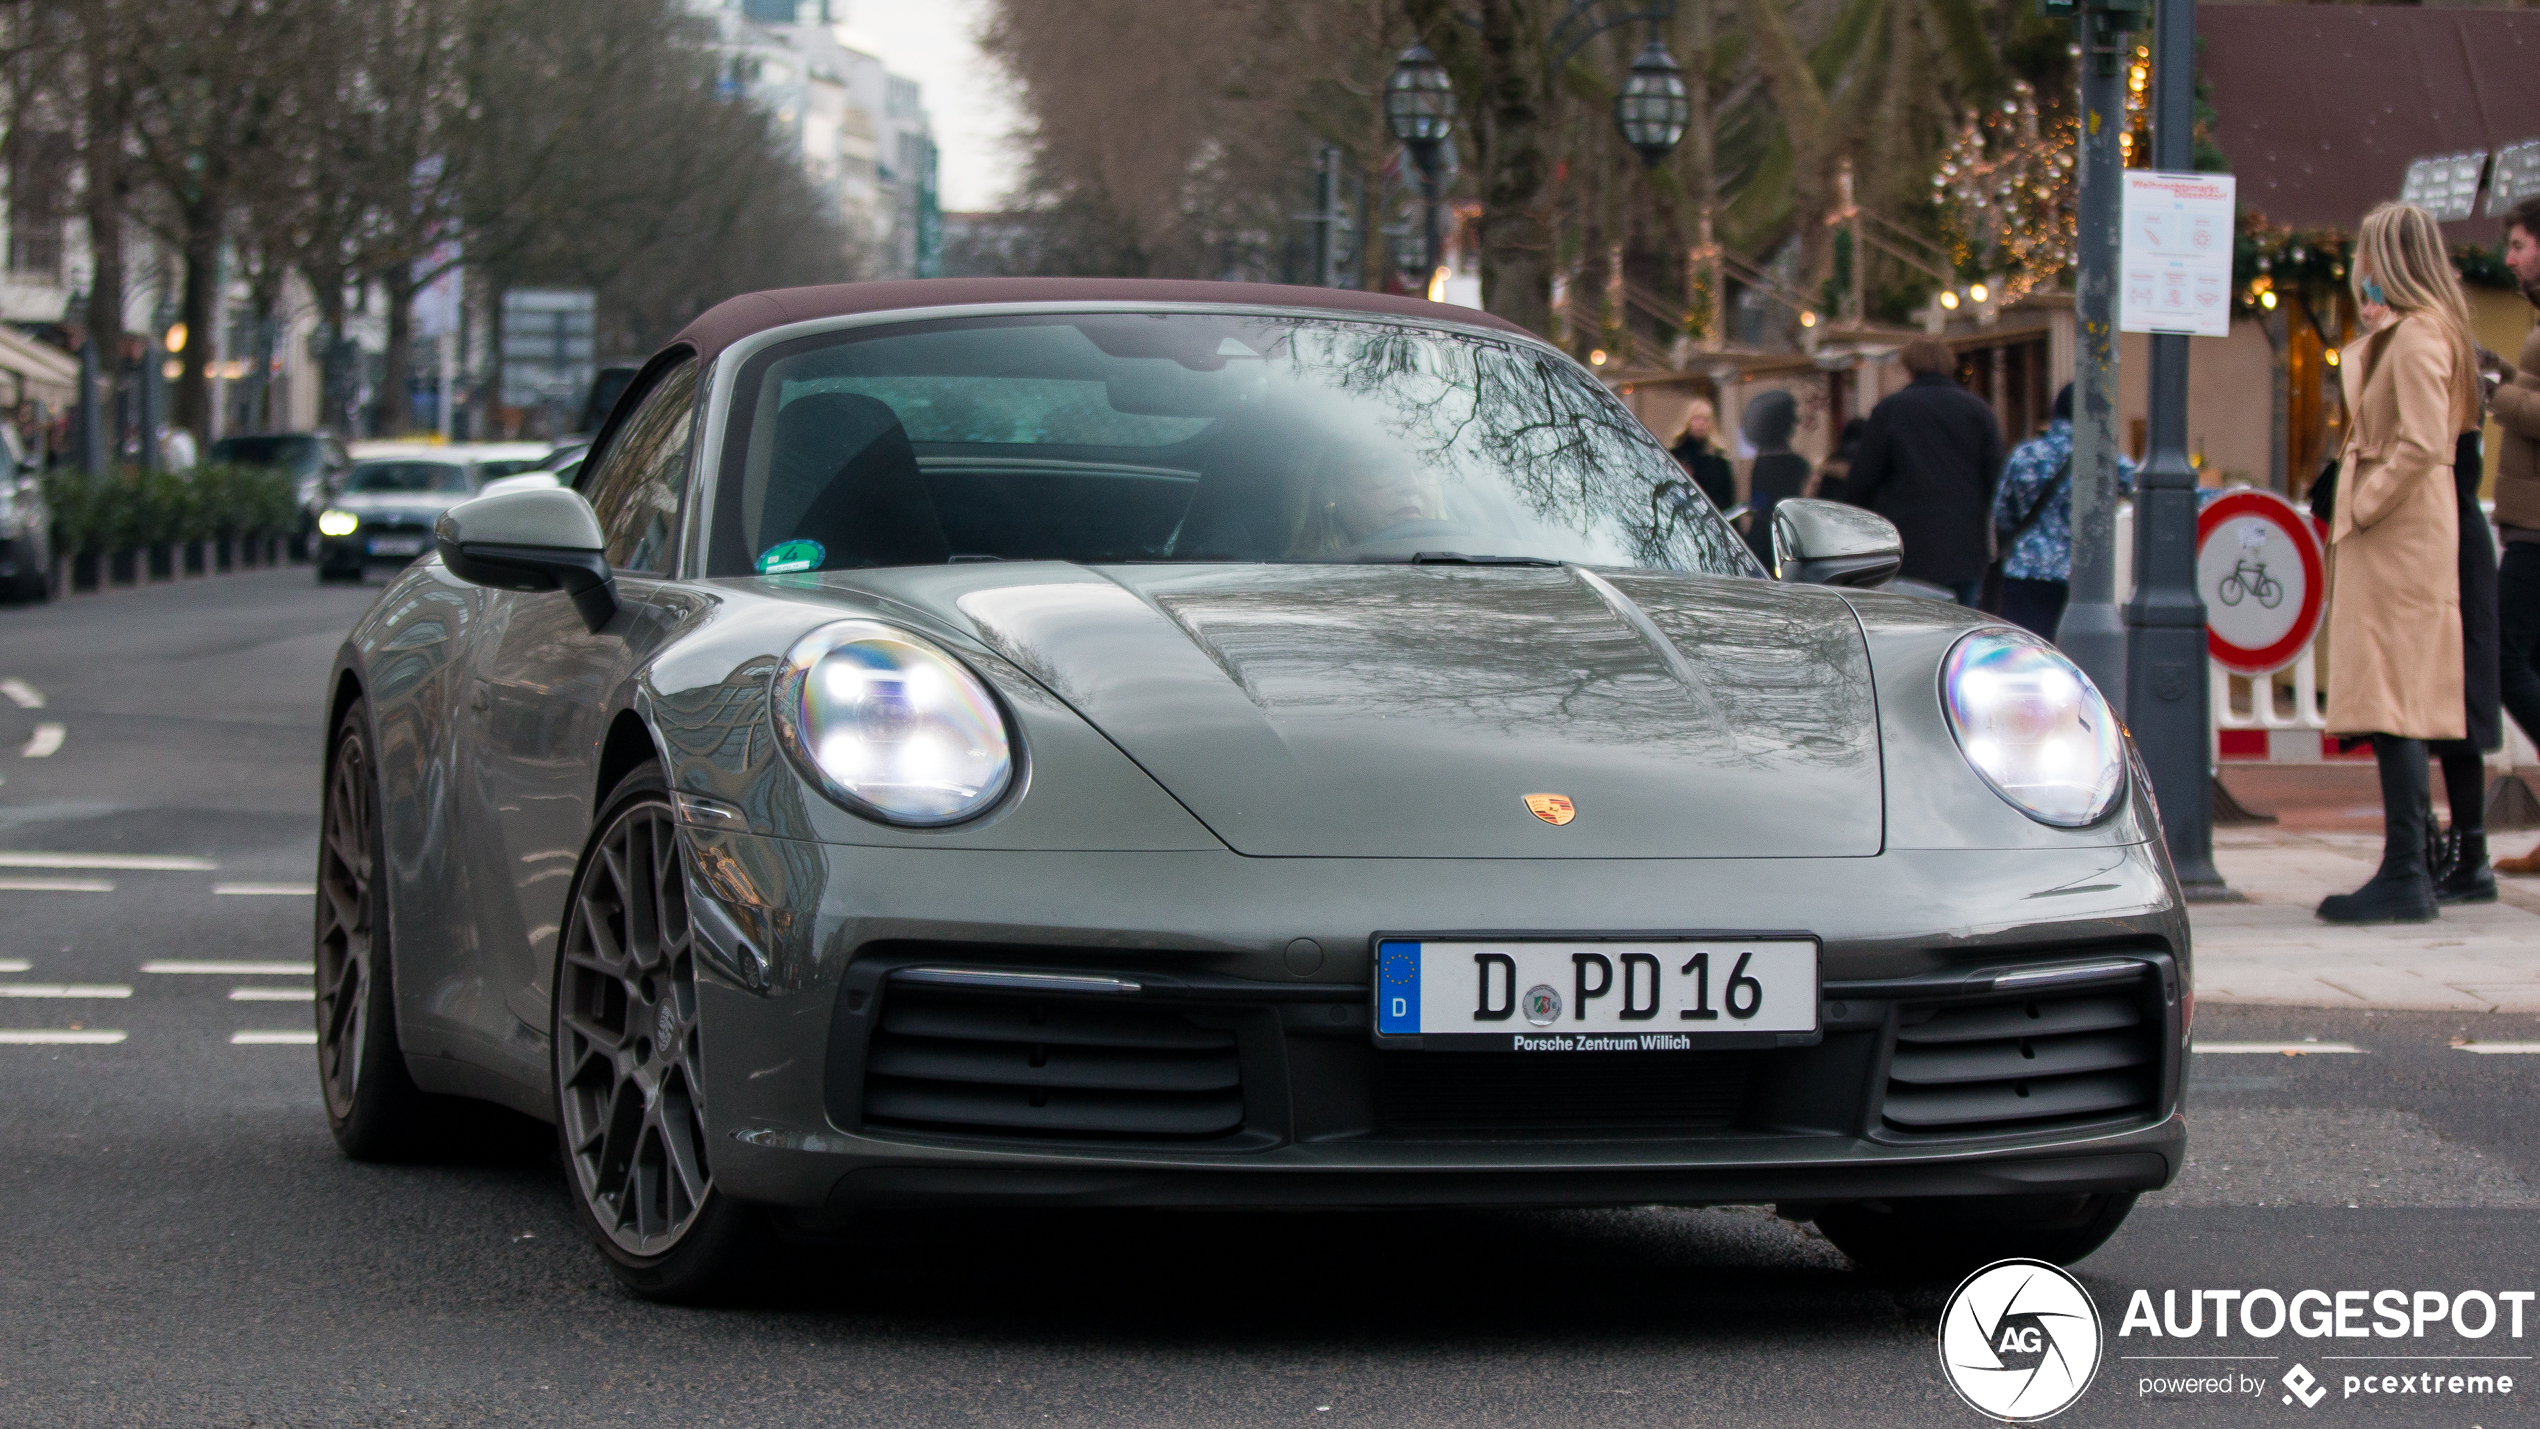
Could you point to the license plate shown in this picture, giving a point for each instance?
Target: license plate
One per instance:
(1673, 995)
(396, 546)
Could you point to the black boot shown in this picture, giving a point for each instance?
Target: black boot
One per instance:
(2469, 880)
(2463, 875)
(2401, 892)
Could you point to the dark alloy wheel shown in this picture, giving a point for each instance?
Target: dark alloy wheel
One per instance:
(372, 1104)
(1943, 1237)
(630, 1103)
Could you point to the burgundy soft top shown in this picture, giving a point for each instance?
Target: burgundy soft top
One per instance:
(733, 319)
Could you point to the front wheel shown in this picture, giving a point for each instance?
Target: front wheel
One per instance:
(630, 1100)
(372, 1104)
(1944, 1237)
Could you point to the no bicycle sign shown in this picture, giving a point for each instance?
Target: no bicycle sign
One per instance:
(2259, 570)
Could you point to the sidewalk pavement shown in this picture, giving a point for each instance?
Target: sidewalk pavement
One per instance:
(2273, 949)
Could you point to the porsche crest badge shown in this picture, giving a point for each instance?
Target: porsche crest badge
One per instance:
(1553, 809)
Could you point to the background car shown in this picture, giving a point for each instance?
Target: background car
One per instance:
(384, 513)
(26, 526)
(500, 459)
(315, 461)
(1070, 743)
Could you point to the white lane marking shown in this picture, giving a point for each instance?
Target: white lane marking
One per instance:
(22, 694)
(262, 890)
(273, 994)
(16, 965)
(136, 862)
(274, 1039)
(232, 969)
(2492, 1049)
(55, 885)
(46, 739)
(2278, 1049)
(56, 989)
(56, 1037)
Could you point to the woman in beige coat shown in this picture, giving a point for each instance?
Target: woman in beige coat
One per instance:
(2394, 621)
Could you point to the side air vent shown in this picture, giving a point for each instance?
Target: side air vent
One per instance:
(1005, 1063)
(2004, 1064)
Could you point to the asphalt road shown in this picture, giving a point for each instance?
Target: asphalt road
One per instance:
(183, 1246)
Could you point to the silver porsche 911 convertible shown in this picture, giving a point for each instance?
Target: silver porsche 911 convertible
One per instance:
(1085, 743)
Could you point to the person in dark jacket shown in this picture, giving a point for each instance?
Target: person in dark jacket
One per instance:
(1928, 462)
(1704, 462)
(1778, 474)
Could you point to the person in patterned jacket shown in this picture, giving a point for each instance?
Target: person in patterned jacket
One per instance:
(2033, 517)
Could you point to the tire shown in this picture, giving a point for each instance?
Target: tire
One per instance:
(372, 1104)
(1942, 1238)
(630, 1116)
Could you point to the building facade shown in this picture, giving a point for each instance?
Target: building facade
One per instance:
(864, 135)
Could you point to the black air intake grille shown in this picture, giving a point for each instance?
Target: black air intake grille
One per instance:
(1021, 1064)
(2006, 1064)
(1552, 1096)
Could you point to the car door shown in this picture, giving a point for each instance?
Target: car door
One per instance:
(545, 690)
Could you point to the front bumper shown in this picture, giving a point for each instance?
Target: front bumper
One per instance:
(357, 551)
(1241, 1071)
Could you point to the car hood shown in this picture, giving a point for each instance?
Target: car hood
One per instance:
(1408, 711)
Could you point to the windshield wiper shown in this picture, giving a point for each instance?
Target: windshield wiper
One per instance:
(1458, 558)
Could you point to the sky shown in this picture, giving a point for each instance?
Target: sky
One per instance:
(967, 96)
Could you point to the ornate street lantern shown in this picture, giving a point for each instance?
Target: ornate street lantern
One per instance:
(1653, 108)
(1420, 101)
(1420, 109)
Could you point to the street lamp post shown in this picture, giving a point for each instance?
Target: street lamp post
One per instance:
(2166, 669)
(1420, 109)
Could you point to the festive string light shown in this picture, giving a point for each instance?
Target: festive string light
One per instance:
(2005, 191)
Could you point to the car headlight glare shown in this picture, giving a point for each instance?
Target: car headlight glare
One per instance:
(338, 523)
(892, 727)
(2034, 726)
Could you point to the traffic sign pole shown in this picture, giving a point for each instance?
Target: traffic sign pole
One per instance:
(2092, 632)
(2167, 707)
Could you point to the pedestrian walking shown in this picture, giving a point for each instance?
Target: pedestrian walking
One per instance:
(2394, 618)
(1703, 461)
(2514, 401)
(1928, 461)
(1835, 470)
(1778, 474)
(2033, 522)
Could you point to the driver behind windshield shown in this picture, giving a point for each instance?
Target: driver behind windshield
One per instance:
(1359, 493)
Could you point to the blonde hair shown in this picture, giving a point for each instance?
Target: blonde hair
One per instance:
(1701, 407)
(2403, 250)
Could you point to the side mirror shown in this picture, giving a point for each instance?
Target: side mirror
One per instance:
(545, 539)
(1830, 543)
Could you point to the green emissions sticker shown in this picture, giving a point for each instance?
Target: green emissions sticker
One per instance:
(787, 556)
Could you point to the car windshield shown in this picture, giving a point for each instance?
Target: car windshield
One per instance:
(408, 478)
(509, 466)
(298, 455)
(1192, 437)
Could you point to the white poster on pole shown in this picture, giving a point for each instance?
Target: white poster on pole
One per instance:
(2176, 257)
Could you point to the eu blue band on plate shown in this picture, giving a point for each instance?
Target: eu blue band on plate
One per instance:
(1398, 989)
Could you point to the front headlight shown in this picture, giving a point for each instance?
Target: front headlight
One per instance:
(338, 523)
(2034, 726)
(891, 726)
